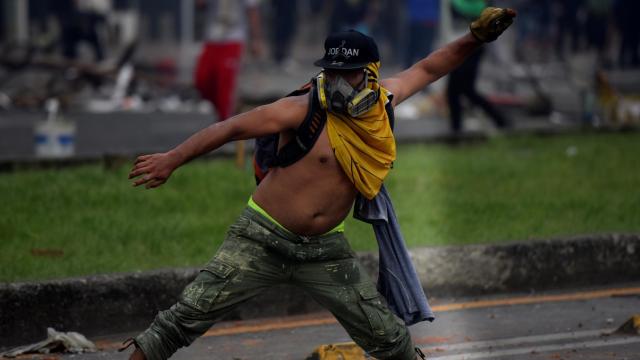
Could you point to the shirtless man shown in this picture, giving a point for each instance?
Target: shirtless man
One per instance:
(291, 230)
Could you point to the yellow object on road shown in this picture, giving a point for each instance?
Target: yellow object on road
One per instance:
(631, 326)
(339, 351)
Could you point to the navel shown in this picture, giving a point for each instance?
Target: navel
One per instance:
(324, 159)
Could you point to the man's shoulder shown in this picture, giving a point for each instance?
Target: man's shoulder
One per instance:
(294, 108)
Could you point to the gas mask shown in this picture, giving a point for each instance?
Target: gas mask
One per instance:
(338, 96)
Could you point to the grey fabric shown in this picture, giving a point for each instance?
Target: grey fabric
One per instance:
(65, 342)
(397, 280)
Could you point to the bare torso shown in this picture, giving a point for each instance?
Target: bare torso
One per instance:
(311, 196)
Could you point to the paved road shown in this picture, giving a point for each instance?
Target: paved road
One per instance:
(557, 325)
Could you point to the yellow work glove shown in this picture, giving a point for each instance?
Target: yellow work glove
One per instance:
(491, 23)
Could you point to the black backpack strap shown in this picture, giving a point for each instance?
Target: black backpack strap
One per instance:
(389, 109)
(307, 133)
(303, 90)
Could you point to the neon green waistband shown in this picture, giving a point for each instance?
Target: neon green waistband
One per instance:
(252, 204)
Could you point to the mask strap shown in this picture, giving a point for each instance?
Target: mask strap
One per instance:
(365, 80)
(320, 88)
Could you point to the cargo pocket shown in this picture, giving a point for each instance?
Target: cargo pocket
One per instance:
(203, 291)
(373, 309)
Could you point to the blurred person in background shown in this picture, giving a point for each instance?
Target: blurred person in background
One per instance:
(292, 229)
(462, 81)
(360, 15)
(82, 21)
(161, 19)
(626, 12)
(229, 24)
(597, 25)
(125, 21)
(3, 26)
(534, 30)
(314, 22)
(567, 24)
(39, 11)
(390, 29)
(283, 26)
(423, 17)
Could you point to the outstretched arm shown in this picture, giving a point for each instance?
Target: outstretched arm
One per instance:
(286, 113)
(488, 27)
(438, 64)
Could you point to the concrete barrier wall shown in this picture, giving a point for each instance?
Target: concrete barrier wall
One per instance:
(121, 303)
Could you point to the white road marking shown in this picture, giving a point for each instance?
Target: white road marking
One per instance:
(540, 349)
(472, 345)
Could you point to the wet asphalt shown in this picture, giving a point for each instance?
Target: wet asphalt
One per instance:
(565, 324)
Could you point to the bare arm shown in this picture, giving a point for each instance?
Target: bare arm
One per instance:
(436, 65)
(491, 23)
(286, 113)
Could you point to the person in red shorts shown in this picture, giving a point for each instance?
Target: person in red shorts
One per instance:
(229, 24)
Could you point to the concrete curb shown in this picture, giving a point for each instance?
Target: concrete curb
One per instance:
(120, 303)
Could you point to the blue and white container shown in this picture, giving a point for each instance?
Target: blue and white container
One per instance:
(54, 137)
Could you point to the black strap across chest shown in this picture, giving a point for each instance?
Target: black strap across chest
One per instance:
(306, 134)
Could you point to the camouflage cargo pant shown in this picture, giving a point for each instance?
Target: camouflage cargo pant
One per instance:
(258, 254)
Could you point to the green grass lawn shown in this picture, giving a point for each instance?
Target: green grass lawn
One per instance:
(88, 220)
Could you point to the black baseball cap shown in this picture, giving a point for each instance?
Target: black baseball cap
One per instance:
(348, 50)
